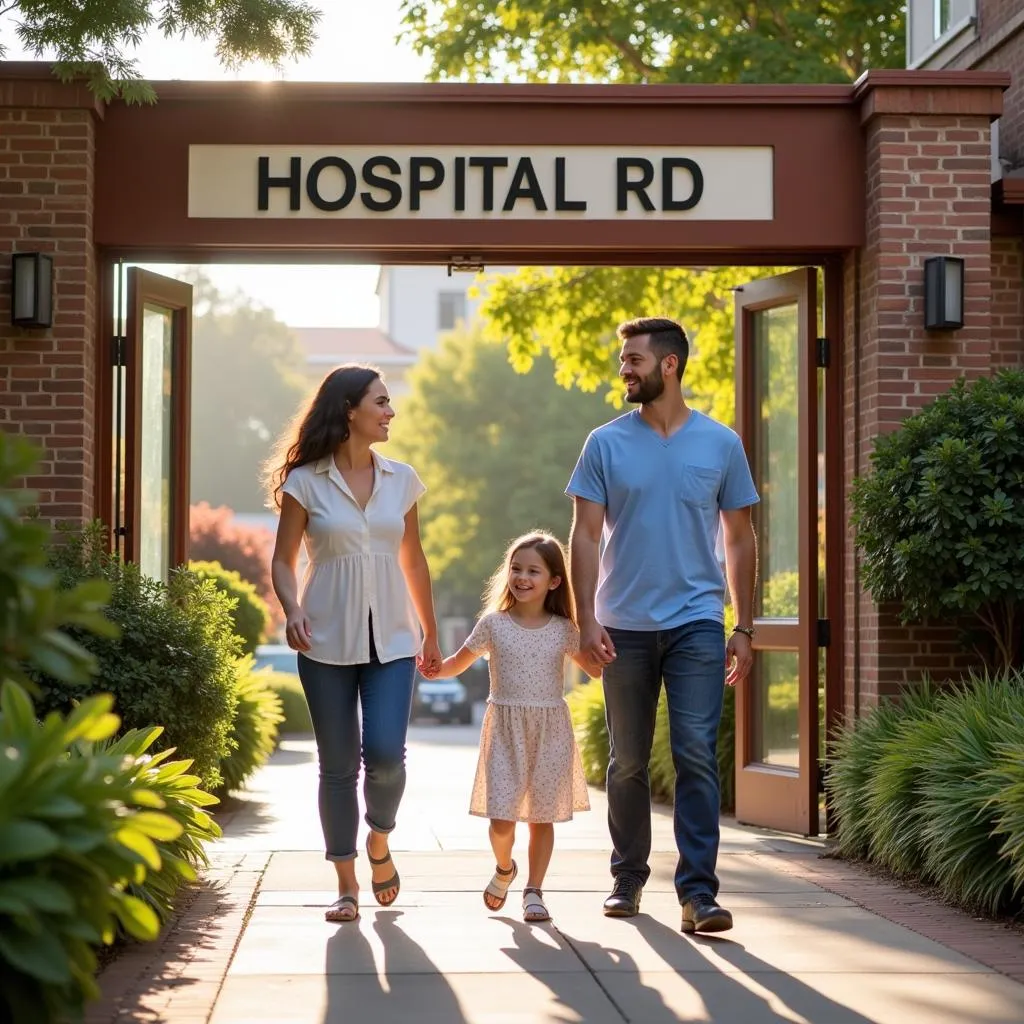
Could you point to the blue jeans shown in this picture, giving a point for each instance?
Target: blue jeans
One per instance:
(385, 694)
(691, 661)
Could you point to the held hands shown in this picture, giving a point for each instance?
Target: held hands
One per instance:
(297, 632)
(739, 656)
(429, 660)
(596, 648)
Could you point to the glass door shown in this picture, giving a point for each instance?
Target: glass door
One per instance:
(777, 417)
(157, 357)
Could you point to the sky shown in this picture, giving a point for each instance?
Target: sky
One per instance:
(356, 44)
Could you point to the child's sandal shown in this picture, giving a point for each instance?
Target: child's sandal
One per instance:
(497, 887)
(533, 905)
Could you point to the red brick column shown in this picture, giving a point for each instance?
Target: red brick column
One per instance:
(47, 376)
(927, 160)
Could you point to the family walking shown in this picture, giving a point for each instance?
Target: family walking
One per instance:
(641, 605)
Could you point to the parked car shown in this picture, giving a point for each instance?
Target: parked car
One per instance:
(279, 657)
(445, 699)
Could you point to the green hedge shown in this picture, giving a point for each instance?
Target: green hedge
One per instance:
(249, 612)
(254, 726)
(586, 705)
(293, 701)
(932, 788)
(174, 662)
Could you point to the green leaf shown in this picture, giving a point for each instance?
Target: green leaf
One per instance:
(139, 919)
(42, 893)
(26, 841)
(139, 844)
(39, 955)
(161, 827)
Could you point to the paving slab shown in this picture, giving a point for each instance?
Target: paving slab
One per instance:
(651, 997)
(413, 940)
(424, 999)
(571, 870)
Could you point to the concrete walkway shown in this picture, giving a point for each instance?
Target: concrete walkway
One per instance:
(798, 953)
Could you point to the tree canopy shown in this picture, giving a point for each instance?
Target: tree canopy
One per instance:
(495, 449)
(656, 40)
(94, 39)
(246, 384)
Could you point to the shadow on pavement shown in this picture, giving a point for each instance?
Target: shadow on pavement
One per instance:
(743, 1003)
(597, 959)
(364, 993)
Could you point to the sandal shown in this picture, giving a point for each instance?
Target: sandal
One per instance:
(394, 882)
(344, 908)
(533, 905)
(497, 887)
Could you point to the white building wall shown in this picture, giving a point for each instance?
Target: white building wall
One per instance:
(410, 302)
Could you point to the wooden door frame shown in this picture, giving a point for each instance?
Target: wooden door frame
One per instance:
(144, 288)
(779, 797)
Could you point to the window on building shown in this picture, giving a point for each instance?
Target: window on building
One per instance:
(451, 308)
(941, 17)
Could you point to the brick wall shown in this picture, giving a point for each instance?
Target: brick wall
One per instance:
(1007, 302)
(47, 376)
(927, 163)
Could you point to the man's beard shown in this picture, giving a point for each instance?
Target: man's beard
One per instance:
(648, 389)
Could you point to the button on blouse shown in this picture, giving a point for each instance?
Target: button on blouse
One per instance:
(353, 574)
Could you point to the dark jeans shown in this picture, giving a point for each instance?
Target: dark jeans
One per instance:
(385, 695)
(691, 661)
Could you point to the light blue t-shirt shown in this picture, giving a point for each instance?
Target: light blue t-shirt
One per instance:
(662, 499)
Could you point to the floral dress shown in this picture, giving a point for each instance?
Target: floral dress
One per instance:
(529, 767)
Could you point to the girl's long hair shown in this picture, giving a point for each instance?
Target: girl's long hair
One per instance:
(319, 426)
(559, 601)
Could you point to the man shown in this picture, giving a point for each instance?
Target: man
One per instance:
(650, 491)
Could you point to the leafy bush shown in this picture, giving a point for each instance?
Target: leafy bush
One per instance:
(32, 608)
(254, 728)
(174, 662)
(586, 706)
(75, 832)
(170, 788)
(932, 788)
(215, 536)
(940, 518)
(293, 701)
(249, 613)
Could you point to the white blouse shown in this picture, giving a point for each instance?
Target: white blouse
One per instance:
(353, 571)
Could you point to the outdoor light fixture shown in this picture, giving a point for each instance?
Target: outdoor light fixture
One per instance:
(31, 289)
(943, 293)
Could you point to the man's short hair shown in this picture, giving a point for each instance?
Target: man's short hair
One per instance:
(667, 338)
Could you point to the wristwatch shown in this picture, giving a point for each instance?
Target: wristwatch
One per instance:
(746, 630)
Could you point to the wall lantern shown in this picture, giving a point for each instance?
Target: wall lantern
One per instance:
(943, 293)
(31, 289)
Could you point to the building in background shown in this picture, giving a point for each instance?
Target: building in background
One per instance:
(420, 304)
(327, 347)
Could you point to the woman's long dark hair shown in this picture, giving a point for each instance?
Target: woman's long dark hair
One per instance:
(497, 596)
(320, 425)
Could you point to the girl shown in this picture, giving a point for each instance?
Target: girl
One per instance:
(529, 768)
(365, 615)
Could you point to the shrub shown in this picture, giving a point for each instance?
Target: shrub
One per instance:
(254, 728)
(250, 613)
(586, 706)
(32, 607)
(176, 793)
(215, 536)
(940, 518)
(75, 831)
(174, 662)
(293, 701)
(931, 788)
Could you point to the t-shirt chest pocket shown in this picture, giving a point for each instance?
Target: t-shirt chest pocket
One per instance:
(698, 486)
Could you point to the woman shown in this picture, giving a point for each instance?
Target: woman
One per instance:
(366, 601)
